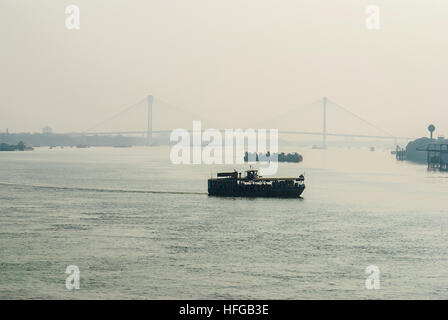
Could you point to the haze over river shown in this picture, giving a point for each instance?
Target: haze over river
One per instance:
(95, 208)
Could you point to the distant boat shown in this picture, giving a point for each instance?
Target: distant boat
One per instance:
(82, 146)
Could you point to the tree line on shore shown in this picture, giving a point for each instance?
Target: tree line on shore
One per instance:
(67, 140)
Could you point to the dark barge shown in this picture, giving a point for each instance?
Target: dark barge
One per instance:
(231, 184)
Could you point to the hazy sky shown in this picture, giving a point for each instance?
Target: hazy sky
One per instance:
(225, 59)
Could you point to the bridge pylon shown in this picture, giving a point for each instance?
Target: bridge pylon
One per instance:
(149, 125)
(324, 125)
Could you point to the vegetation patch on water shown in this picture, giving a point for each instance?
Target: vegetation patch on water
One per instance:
(17, 147)
(282, 157)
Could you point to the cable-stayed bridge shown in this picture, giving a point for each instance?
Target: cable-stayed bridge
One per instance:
(149, 104)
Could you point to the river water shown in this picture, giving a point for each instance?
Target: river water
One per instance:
(139, 227)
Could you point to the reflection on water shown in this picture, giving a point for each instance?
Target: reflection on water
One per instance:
(96, 208)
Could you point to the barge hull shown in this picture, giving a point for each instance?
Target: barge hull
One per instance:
(258, 194)
(231, 184)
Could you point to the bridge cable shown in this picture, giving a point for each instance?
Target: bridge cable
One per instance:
(196, 116)
(116, 115)
(288, 113)
(359, 118)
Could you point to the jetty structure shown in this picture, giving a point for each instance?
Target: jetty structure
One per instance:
(400, 153)
(436, 156)
(232, 184)
(433, 151)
